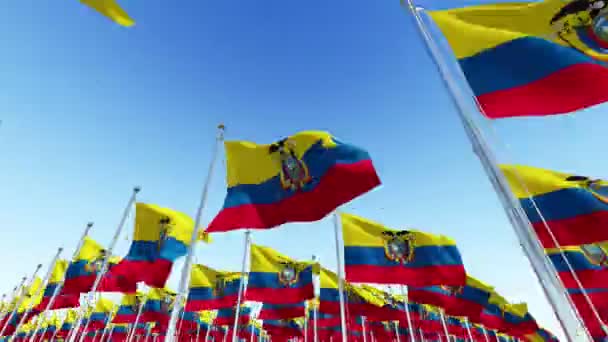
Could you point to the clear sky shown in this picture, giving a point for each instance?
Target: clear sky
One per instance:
(90, 109)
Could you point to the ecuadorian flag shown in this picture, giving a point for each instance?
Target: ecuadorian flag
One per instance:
(128, 308)
(161, 235)
(157, 306)
(529, 58)
(277, 279)
(575, 208)
(588, 262)
(111, 10)
(211, 289)
(61, 301)
(82, 271)
(468, 300)
(376, 254)
(299, 179)
(509, 318)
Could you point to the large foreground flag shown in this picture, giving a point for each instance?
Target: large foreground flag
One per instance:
(530, 58)
(298, 179)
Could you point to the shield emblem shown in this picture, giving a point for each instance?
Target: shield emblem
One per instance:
(294, 173)
(163, 225)
(166, 304)
(398, 246)
(595, 254)
(219, 287)
(452, 290)
(288, 275)
(596, 187)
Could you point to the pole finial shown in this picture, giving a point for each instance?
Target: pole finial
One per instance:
(60, 249)
(39, 266)
(137, 189)
(90, 224)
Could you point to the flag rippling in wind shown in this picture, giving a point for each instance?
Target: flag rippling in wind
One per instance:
(111, 10)
(161, 236)
(61, 301)
(277, 279)
(529, 58)
(468, 300)
(574, 208)
(211, 289)
(374, 253)
(589, 264)
(301, 178)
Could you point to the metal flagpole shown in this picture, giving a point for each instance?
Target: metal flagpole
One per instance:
(104, 265)
(12, 298)
(422, 335)
(444, 325)
(305, 327)
(56, 330)
(139, 311)
(239, 300)
(363, 328)
(314, 306)
(485, 333)
(39, 291)
(468, 326)
(404, 293)
(110, 333)
(49, 306)
(338, 235)
(396, 325)
(521, 224)
(198, 330)
(185, 279)
(20, 301)
(209, 327)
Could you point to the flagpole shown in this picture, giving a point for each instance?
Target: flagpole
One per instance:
(396, 325)
(104, 265)
(314, 306)
(20, 301)
(363, 328)
(60, 285)
(337, 230)
(13, 297)
(443, 324)
(39, 291)
(241, 285)
(139, 311)
(185, 279)
(519, 221)
(405, 293)
(468, 326)
(209, 327)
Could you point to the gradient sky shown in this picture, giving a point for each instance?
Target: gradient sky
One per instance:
(91, 109)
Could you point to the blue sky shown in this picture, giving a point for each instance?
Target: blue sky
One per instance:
(90, 109)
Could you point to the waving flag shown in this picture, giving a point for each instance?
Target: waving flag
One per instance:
(128, 308)
(574, 208)
(589, 264)
(110, 9)
(277, 279)
(83, 270)
(211, 289)
(160, 237)
(298, 179)
(61, 301)
(282, 311)
(374, 253)
(468, 300)
(563, 45)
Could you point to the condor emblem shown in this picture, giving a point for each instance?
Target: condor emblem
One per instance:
(594, 186)
(167, 303)
(163, 227)
(95, 265)
(219, 287)
(595, 254)
(452, 290)
(289, 274)
(353, 297)
(399, 246)
(294, 173)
